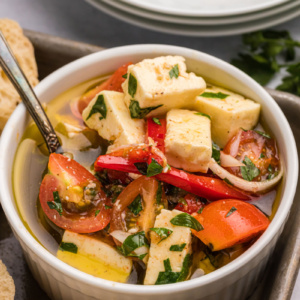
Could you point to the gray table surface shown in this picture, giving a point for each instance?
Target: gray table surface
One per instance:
(77, 20)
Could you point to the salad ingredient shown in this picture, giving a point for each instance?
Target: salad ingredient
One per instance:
(227, 114)
(95, 257)
(229, 222)
(155, 87)
(226, 160)
(156, 130)
(207, 187)
(70, 196)
(114, 123)
(160, 249)
(188, 140)
(245, 185)
(113, 83)
(190, 204)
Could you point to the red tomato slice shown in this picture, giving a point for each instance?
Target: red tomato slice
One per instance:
(261, 150)
(113, 83)
(230, 222)
(193, 204)
(83, 202)
(157, 132)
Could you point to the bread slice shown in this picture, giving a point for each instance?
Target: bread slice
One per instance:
(7, 286)
(24, 53)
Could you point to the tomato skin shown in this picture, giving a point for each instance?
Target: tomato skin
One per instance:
(113, 83)
(157, 132)
(65, 175)
(193, 204)
(261, 150)
(242, 225)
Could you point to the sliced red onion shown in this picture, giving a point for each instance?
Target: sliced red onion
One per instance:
(198, 273)
(229, 161)
(249, 186)
(120, 235)
(265, 202)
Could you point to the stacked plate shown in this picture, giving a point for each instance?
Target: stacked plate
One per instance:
(201, 17)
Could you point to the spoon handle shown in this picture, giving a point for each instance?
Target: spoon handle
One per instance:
(20, 82)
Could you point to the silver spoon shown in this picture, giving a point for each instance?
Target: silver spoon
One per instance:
(13, 71)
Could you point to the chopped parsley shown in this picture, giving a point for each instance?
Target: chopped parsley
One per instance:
(216, 153)
(203, 115)
(262, 155)
(134, 242)
(56, 204)
(227, 181)
(125, 75)
(97, 212)
(136, 112)
(136, 205)
(263, 134)
(69, 247)
(200, 210)
(99, 107)
(107, 207)
(249, 171)
(177, 248)
(132, 85)
(218, 95)
(186, 220)
(174, 72)
(163, 233)
(154, 168)
(156, 121)
(231, 211)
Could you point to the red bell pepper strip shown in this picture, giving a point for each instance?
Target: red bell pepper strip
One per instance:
(157, 132)
(207, 187)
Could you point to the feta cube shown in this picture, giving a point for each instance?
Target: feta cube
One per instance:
(95, 257)
(229, 114)
(160, 251)
(117, 125)
(188, 140)
(156, 86)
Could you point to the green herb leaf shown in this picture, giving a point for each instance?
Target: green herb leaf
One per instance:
(262, 155)
(125, 75)
(163, 233)
(263, 134)
(97, 212)
(174, 72)
(132, 85)
(56, 204)
(231, 211)
(291, 83)
(107, 207)
(134, 242)
(98, 107)
(186, 220)
(168, 276)
(216, 153)
(227, 181)
(200, 210)
(142, 167)
(202, 114)
(140, 113)
(182, 201)
(154, 168)
(70, 247)
(159, 193)
(218, 95)
(136, 205)
(249, 171)
(156, 121)
(177, 248)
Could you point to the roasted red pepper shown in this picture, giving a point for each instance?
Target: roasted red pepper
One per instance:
(156, 129)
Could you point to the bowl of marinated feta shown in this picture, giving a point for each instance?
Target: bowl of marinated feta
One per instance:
(176, 177)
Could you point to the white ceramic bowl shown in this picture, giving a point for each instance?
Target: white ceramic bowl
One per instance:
(233, 281)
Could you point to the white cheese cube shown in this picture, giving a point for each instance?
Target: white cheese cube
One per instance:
(228, 115)
(96, 257)
(156, 87)
(117, 126)
(188, 140)
(160, 251)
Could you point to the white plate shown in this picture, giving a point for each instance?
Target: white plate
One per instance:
(140, 12)
(204, 7)
(197, 30)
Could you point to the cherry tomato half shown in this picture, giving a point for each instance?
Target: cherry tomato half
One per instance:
(229, 222)
(72, 197)
(191, 204)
